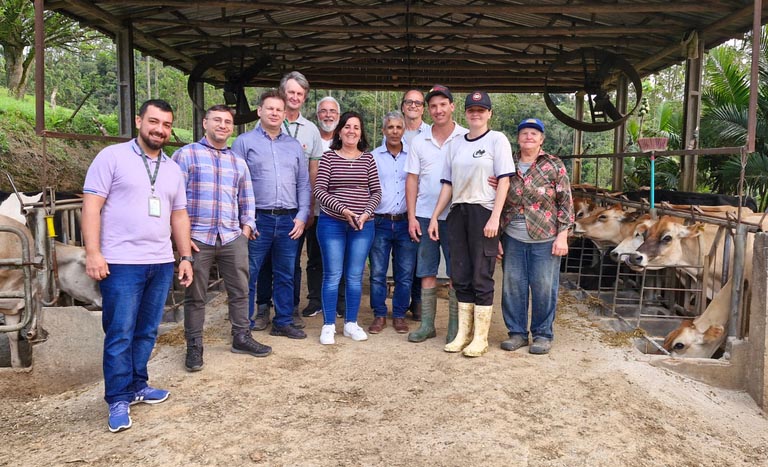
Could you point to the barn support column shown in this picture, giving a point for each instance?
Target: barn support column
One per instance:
(620, 135)
(197, 113)
(126, 84)
(694, 69)
(757, 372)
(578, 140)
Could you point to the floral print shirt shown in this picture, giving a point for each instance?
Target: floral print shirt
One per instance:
(542, 195)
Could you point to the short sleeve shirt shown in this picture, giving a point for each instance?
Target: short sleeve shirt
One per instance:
(129, 235)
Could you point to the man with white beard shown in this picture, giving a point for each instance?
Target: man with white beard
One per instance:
(328, 113)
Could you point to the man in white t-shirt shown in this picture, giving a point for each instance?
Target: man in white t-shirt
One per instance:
(424, 166)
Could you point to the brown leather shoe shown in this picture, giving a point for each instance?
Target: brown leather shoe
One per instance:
(399, 325)
(378, 324)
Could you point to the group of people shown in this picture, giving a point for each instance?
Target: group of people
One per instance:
(250, 208)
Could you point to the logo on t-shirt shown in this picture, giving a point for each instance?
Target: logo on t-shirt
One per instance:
(479, 153)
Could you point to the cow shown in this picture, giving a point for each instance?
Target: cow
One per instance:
(11, 207)
(12, 282)
(670, 243)
(609, 226)
(71, 276)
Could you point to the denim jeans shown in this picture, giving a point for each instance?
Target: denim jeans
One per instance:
(529, 266)
(392, 237)
(265, 280)
(133, 299)
(273, 240)
(344, 251)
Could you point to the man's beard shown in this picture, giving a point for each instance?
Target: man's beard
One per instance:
(327, 128)
(150, 144)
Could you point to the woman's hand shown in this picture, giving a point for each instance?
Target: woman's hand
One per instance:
(351, 218)
(491, 228)
(560, 246)
(362, 219)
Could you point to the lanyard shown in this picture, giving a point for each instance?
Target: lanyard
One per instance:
(288, 128)
(152, 178)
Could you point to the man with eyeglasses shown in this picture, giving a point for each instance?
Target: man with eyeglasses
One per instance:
(412, 107)
(221, 210)
(328, 112)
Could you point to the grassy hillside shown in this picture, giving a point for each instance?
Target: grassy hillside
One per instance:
(64, 163)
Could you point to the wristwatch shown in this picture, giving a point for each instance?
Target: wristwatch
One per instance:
(191, 259)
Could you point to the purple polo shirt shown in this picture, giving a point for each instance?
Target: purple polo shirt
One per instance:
(129, 235)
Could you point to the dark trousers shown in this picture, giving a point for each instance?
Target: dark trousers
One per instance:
(473, 255)
(232, 259)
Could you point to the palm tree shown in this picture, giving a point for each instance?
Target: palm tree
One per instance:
(724, 120)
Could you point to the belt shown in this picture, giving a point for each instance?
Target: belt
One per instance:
(394, 217)
(277, 212)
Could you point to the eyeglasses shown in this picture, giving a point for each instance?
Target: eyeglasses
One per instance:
(327, 111)
(410, 102)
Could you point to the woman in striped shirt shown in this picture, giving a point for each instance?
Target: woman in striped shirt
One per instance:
(348, 190)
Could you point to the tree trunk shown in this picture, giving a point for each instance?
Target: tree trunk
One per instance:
(17, 69)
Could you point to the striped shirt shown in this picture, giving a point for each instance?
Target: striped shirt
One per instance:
(219, 192)
(347, 184)
(542, 195)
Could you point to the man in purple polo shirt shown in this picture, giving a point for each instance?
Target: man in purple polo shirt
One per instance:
(221, 210)
(281, 189)
(134, 201)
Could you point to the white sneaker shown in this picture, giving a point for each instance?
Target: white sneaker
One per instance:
(326, 334)
(351, 329)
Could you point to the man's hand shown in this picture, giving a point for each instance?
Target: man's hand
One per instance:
(96, 266)
(433, 230)
(297, 230)
(194, 246)
(414, 230)
(493, 182)
(246, 231)
(185, 273)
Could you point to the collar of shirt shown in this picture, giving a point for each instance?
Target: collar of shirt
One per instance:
(457, 131)
(205, 143)
(260, 130)
(140, 152)
(384, 150)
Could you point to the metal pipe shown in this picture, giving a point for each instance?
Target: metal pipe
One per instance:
(30, 305)
(739, 245)
(39, 67)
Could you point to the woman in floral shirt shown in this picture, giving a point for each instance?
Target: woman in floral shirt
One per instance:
(537, 215)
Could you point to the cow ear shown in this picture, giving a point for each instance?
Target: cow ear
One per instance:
(692, 231)
(714, 333)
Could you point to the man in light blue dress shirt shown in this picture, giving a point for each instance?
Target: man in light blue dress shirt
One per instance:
(282, 195)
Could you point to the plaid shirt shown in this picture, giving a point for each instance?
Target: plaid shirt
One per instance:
(219, 192)
(542, 195)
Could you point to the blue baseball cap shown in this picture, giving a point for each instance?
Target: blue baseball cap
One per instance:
(534, 123)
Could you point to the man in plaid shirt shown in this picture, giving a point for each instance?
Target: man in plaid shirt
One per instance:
(221, 209)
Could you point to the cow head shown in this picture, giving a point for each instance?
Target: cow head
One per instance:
(590, 226)
(630, 244)
(688, 341)
(582, 207)
(663, 245)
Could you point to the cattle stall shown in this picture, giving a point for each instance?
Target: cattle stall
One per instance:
(657, 301)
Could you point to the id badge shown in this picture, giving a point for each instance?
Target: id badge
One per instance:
(154, 206)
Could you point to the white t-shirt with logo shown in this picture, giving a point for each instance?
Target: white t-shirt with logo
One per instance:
(471, 162)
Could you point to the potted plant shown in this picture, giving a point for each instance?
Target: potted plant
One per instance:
(649, 140)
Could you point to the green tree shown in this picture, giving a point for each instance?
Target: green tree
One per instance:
(725, 116)
(17, 33)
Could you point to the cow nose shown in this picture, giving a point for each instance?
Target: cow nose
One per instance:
(635, 259)
(614, 256)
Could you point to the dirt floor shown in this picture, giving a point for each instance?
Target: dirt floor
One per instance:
(593, 401)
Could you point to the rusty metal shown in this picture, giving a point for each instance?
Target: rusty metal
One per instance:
(26, 263)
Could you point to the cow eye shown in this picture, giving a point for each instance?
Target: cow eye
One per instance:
(679, 346)
(666, 238)
(601, 218)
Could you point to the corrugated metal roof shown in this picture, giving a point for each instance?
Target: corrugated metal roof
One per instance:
(504, 46)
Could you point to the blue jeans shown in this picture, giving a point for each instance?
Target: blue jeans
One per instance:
(529, 266)
(344, 251)
(273, 240)
(133, 299)
(264, 281)
(392, 237)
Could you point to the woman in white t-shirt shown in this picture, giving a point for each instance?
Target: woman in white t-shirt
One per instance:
(473, 222)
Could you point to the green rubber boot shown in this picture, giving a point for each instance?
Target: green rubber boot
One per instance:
(428, 310)
(453, 316)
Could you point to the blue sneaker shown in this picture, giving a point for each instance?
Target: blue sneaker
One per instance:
(119, 416)
(150, 395)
